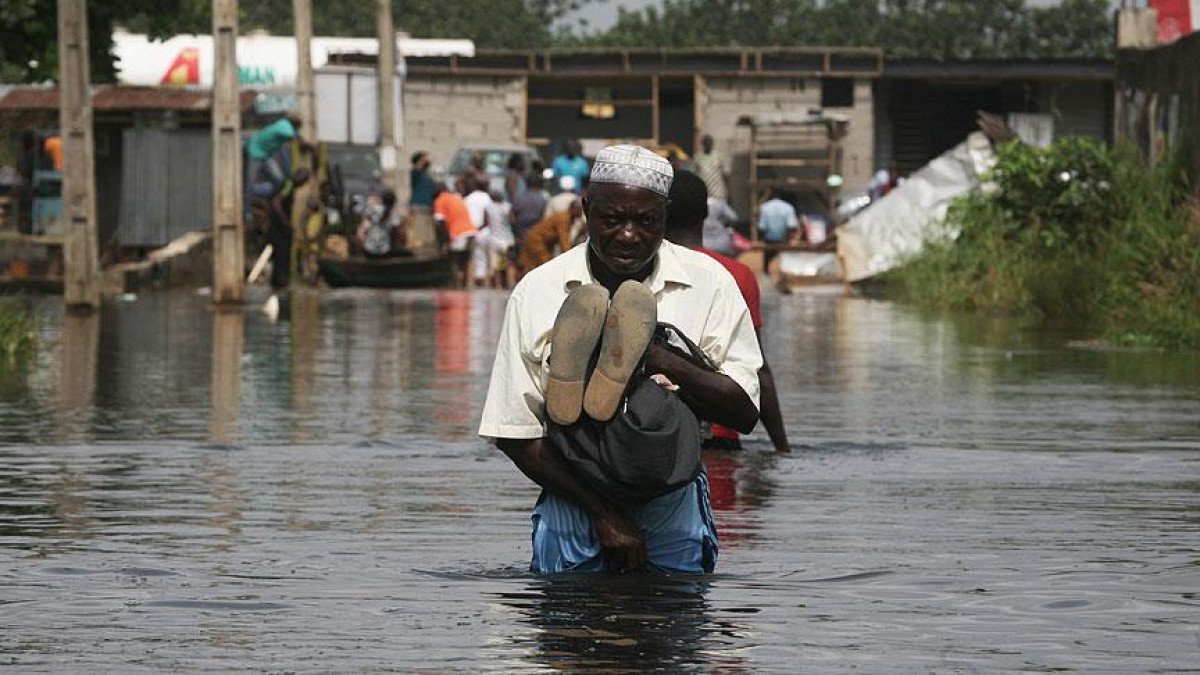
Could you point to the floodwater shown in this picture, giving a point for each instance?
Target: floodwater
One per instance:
(181, 489)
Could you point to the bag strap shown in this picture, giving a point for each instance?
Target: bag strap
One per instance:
(664, 333)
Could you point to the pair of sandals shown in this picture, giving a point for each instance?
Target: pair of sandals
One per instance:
(623, 328)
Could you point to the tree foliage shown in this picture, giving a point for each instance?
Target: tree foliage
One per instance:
(938, 29)
(29, 50)
(941, 29)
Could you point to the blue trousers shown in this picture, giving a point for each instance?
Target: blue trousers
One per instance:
(678, 527)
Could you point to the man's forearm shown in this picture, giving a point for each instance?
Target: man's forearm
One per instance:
(542, 464)
(712, 396)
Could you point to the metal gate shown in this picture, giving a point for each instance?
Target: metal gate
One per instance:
(166, 185)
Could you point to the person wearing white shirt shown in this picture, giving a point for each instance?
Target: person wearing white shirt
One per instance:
(477, 202)
(577, 528)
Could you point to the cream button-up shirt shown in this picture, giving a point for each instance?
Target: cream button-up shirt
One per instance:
(694, 292)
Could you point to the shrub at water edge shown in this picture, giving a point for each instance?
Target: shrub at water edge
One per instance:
(1075, 233)
(17, 331)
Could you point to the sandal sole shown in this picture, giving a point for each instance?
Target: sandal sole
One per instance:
(628, 328)
(577, 329)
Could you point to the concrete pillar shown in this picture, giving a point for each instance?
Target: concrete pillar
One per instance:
(81, 287)
(228, 255)
(305, 96)
(388, 152)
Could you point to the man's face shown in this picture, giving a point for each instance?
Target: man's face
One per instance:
(625, 226)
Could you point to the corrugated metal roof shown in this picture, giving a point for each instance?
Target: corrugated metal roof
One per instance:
(121, 98)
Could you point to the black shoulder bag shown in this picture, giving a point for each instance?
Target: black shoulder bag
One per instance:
(650, 447)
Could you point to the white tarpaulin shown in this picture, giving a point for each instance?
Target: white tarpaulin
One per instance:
(899, 224)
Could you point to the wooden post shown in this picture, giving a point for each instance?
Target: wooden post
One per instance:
(305, 96)
(386, 72)
(228, 254)
(81, 287)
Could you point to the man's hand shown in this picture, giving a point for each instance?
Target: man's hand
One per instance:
(620, 539)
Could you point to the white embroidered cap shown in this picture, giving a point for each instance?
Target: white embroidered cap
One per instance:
(633, 165)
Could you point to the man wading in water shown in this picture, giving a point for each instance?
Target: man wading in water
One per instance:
(555, 318)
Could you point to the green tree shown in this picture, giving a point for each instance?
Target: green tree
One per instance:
(29, 48)
(938, 29)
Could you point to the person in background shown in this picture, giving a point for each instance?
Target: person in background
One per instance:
(451, 213)
(571, 164)
(420, 225)
(710, 166)
(420, 182)
(527, 209)
(279, 228)
(777, 224)
(550, 237)
(501, 266)
(477, 197)
(262, 146)
(53, 147)
(718, 227)
(560, 202)
(514, 176)
(477, 201)
(478, 169)
(885, 180)
(380, 221)
(688, 207)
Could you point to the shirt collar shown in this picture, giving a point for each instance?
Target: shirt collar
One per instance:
(667, 268)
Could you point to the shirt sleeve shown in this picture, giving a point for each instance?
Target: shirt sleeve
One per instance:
(730, 340)
(515, 398)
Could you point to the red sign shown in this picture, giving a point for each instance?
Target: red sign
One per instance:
(185, 69)
(1176, 18)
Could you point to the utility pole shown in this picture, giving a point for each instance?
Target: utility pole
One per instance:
(81, 284)
(387, 96)
(305, 96)
(306, 102)
(228, 254)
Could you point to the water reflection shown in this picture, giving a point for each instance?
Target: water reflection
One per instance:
(228, 340)
(742, 487)
(286, 482)
(608, 623)
(76, 359)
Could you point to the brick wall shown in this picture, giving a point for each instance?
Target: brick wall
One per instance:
(443, 113)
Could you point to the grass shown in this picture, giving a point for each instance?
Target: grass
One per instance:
(17, 331)
(1076, 235)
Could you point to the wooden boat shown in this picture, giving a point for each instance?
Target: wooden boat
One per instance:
(407, 270)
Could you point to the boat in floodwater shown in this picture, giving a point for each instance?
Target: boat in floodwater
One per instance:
(407, 270)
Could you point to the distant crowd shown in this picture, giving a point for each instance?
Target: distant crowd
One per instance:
(500, 225)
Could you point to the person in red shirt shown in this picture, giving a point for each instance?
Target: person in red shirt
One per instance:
(688, 207)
